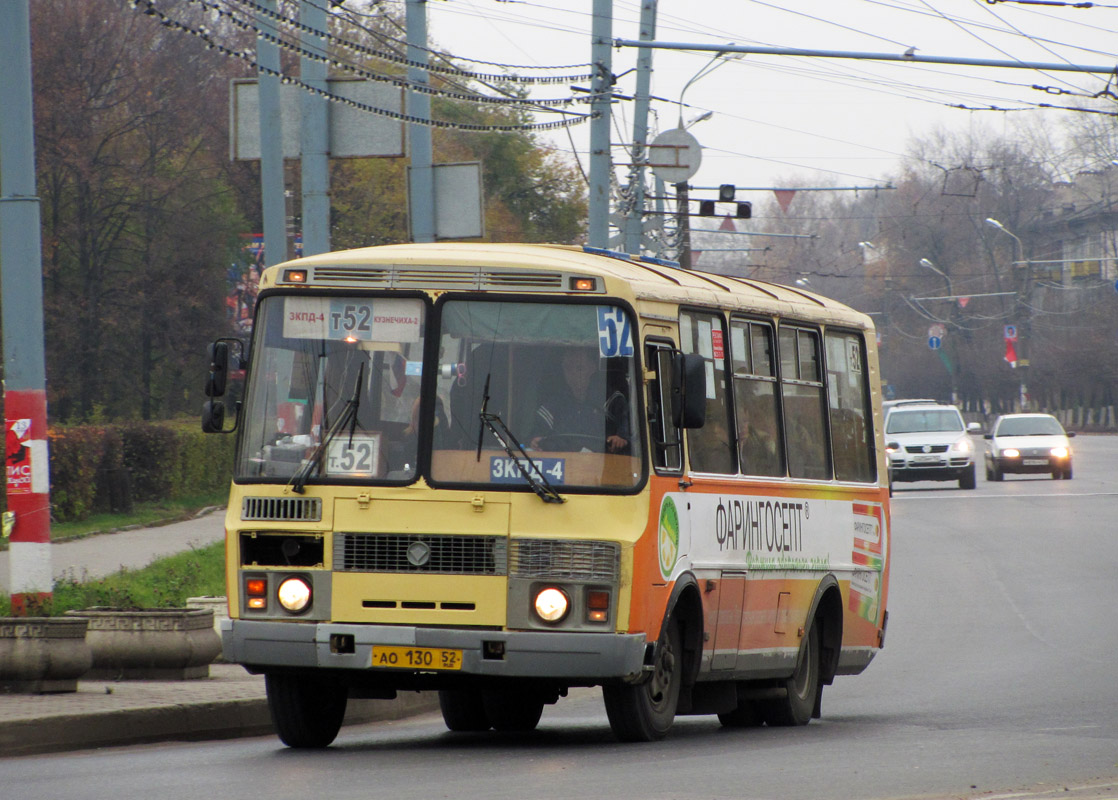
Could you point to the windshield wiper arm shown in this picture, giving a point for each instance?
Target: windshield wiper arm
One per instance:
(347, 417)
(515, 450)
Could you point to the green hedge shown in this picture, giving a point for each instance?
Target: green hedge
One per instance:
(97, 468)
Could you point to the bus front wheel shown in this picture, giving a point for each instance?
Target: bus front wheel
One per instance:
(802, 688)
(644, 712)
(463, 710)
(512, 711)
(306, 712)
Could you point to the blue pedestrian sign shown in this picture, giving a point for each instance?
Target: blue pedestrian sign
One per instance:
(934, 342)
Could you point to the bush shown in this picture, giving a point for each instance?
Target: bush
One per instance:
(105, 468)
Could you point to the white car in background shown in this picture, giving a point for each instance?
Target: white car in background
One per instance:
(928, 441)
(1028, 443)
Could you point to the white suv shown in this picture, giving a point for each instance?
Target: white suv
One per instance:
(926, 441)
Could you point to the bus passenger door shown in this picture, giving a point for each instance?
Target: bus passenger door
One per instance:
(726, 625)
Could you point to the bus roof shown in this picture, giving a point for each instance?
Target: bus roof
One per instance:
(543, 267)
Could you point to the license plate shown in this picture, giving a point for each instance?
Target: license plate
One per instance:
(1034, 462)
(925, 459)
(396, 657)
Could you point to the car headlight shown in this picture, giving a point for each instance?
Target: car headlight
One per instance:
(963, 446)
(552, 604)
(1060, 452)
(1011, 452)
(294, 594)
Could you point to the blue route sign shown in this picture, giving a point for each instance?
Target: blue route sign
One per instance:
(934, 342)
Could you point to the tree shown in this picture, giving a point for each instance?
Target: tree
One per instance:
(138, 221)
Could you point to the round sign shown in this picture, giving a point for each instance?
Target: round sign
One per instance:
(938, 330)
(934, 342)
(675, 156)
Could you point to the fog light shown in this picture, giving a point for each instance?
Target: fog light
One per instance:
(597, 605)
(294, 594)
(257, 603)
(552, 604)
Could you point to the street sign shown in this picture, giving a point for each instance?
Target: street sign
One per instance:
(1011, 333)
(675, 156)
(938, 330)
(934, 342)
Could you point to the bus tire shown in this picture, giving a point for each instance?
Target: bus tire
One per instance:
(802, 687)
(512, 711)
(463, 711)
(306, 712)
(644, 712)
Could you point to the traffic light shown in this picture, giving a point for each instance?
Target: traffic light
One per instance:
(706, 208)
(745, 210)
(726, 192)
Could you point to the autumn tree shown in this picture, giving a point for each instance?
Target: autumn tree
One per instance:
(138, 221)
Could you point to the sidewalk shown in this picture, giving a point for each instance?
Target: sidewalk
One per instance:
(229, 704)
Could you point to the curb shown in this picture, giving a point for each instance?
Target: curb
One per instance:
(202, 721)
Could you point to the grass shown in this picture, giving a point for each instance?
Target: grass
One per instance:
(165, 583)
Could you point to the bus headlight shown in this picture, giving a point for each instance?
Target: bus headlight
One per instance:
(294, 594)
(552, 604)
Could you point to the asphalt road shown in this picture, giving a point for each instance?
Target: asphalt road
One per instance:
(998, 677)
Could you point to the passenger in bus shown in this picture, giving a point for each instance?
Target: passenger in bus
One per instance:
(759, 444)
(571, 415)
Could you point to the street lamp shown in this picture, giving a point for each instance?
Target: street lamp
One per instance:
(926, 263)
(1024, 328)
(717, 61)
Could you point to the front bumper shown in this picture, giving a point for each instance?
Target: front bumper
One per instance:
(941, 469)
(522, 654)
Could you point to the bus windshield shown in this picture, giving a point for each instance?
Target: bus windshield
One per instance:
(351, 364)
(335, 394)
(561, 378)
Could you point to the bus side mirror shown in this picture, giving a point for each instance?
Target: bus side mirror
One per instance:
(223, 354)
(219, 369)
(213, 416)
(689, 390)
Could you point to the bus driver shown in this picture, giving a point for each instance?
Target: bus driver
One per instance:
(572, 414)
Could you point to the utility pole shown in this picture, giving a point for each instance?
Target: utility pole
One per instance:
(601, 165)
(634, 223)
(26, 459)
(314, 145)
(271, 140)
(421, 176)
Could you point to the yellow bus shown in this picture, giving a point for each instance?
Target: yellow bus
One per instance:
(501, 471)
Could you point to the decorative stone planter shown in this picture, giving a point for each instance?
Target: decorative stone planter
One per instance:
(150, 644)
(41, 655)
(220, 608)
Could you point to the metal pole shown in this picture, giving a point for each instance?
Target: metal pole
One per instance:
(601, 164)
(634, 224)
(683, 206)
(26, 459)
(421, 178)
(271, 142)
(314, 138)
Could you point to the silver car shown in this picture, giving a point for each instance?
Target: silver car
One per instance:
(1028, 443)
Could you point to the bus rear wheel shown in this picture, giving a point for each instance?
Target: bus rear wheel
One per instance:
(644, 712)
(463, 711)
(798, 707)
(306, 712)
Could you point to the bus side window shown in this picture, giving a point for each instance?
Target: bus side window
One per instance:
(848, 401)
(804, 403)
(709, 448)
(756, 402)
(667, 447)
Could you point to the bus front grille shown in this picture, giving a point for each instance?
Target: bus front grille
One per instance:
(281, 509)
(447, 277)
(562, 559)
(420, 553)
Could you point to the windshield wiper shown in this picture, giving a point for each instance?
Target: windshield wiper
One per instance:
(347, 417)
(515, 451)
